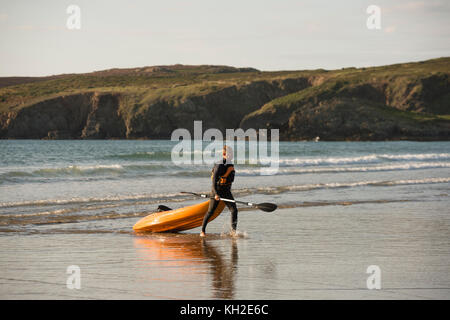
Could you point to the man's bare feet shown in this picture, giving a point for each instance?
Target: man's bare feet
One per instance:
(202, 234)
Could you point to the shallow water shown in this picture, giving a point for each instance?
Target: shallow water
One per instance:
(343, 206)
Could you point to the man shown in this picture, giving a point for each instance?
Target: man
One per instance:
(222, 177)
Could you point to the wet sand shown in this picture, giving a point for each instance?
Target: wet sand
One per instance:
(293, 253)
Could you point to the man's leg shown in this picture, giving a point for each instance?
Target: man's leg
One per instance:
(212, 207)
(233, 209)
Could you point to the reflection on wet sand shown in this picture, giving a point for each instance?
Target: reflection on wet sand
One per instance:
(222, 271)
(182, 257)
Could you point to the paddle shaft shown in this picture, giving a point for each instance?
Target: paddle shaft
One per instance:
(267, 207)
(261, 206)
(223, 199)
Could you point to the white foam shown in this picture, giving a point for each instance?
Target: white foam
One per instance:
(332, 185)
(386, 167)
(81, 200)
(78, 168)
(424, 156)
(370, 158)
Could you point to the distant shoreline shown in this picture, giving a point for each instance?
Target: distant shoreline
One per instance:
(409, 101)
(157, 139)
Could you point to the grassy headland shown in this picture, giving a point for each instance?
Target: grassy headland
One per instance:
(401, 101)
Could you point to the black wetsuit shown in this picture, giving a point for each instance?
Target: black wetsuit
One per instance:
(224, 191)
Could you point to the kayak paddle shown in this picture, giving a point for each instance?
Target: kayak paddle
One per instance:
(265, 206)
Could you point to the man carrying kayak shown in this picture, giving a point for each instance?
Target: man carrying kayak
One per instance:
(222, 177)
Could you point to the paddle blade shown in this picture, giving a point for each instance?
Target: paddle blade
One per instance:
(196, 194)
(268, 207)
(163, 208)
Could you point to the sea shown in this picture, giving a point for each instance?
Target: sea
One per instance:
(357, 220)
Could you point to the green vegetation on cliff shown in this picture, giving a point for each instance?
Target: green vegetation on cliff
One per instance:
(402, 101)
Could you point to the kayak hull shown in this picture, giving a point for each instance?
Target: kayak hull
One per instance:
(178, 219)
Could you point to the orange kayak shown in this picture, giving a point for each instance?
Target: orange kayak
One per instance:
(178, 219)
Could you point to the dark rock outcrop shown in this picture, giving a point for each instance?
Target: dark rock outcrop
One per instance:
(87, 115)
(220, 109)
(104, 119)
(63, 116)
(347, 112)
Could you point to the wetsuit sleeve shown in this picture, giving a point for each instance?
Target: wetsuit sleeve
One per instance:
(231, 176)
(214, 178)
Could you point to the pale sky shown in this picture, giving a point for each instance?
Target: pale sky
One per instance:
(264, 34)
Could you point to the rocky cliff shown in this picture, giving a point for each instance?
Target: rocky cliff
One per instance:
(87, 115)
(372, 110)
(407, 101)
(100, 115)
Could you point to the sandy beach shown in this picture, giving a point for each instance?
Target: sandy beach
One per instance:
(296, 253)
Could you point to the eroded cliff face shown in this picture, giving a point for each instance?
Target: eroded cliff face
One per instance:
(301, 107)
(220, 109)
(367, 111)
(61, 117)
(103, 115)
(356, 119)
(87, 115)
(104, 119)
